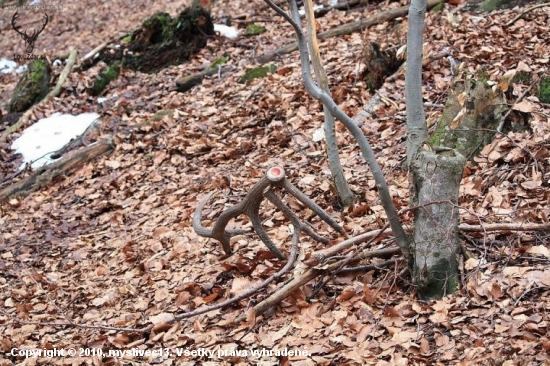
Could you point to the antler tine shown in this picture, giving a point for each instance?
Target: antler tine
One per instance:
(257, 224)
(14, 26)
(211, 233)
(197, 217)
(298, 224)
(249, 206)
(291, 188)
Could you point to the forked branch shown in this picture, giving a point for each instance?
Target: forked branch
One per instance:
(250, 206)
(368, 154)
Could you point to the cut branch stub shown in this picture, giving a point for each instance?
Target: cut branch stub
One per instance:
(250, 206)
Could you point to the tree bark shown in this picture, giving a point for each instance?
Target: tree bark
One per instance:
(417, 130)
(49, 173)
(336, 170)
(347, 29)
(437, 177)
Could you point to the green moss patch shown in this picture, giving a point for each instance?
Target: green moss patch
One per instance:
(254, 30)
(544, 90)
(32, 87)
(257, 72)
(162, 41)
(220, 61)
(106, 75)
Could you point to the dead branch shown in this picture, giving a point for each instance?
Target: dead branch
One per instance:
(349, 258)
(505, 227)
(283, 293)
(525, 12)
(250, 206)
(52, 94)
(368, 110)
(300, 279)
(347, 29)
(39, 285)
(322, 255)
(298, 282)
(366, 150)
(87, 61)
(46, 174)
(248, 293)
(370, 267)
(311, 273)
(199, 311)
(185, 83)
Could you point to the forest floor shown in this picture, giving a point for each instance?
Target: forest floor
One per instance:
(112, 245)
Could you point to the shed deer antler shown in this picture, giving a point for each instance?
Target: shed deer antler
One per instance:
(250, 206)
(29, 40)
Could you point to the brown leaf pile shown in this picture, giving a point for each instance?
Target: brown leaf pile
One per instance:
(112, 244)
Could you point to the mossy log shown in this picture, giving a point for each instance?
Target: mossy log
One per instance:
(470, 119)
(162, 41)
(32, 87)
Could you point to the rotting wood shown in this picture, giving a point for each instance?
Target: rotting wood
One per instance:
(52, 94)
(185, 83)
(347, 29)
(49, 173)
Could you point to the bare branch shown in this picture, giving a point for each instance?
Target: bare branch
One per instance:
(357, 133)
(251, 291)
(525, 12)
(337, 172)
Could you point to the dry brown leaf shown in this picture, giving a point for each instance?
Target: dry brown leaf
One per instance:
(524, 106)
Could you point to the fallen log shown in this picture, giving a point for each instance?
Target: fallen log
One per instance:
(49, 173)
(52, 94)
(348, 29)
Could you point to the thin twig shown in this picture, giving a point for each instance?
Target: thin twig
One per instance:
(366, 150)
(248, 293)
(525, 12)
(48, 296)
(520, 98)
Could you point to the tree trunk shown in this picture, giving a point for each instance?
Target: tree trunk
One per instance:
(337, 172)
(437, 177)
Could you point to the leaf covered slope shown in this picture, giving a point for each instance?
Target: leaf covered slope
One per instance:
(113, 245)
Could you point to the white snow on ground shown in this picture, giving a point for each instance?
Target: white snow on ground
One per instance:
(48, 135)
(302, 12)
(9, 66)
(224, 30)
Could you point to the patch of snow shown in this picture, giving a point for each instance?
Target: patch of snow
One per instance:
(103, 100)
(48, 135)
(318, 134)
(302, 12)
(224, 30)
(35, 2)
(9, 66)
